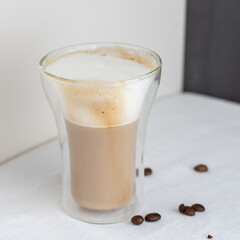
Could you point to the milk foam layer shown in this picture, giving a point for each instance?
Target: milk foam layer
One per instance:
(107, 100)
(96, 67)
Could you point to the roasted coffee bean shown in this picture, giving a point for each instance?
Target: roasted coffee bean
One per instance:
(181, 208)
(209, 236)
(198, 207)
(152, 217)
(147, 171)
(137, 220)
(189, 211)
(201, 168)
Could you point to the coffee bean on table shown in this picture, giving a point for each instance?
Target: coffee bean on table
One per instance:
(137, 220)
(201, 168)
(189, 211)
(198, 207)
(181, 208)
(209, 236)
(147, 171)
(152, 217)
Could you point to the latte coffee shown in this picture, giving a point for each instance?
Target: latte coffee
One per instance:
(101, 115)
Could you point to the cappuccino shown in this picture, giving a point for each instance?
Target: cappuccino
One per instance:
(101, 115)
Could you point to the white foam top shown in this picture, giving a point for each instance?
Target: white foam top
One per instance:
(99, 106)
(96, 67)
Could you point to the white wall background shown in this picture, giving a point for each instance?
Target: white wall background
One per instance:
(29, 29)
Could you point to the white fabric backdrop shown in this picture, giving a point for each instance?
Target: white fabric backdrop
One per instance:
(29, 29)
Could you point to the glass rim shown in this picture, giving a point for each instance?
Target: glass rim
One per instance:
(69, 81)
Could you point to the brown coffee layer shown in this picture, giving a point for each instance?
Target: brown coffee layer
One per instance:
(102, 165)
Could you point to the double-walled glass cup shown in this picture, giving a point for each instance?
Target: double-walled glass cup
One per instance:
(103, 170)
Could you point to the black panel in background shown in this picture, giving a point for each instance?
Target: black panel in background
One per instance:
(212, 61)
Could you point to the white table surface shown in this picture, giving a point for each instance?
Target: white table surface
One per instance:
(184, 130)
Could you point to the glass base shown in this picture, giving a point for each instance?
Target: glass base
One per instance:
(122, 214)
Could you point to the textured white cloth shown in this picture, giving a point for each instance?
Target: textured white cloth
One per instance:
(184, 130)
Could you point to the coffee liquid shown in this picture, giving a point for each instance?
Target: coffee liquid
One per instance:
(102, 163)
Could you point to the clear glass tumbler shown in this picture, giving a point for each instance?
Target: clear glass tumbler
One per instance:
(103, 170)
